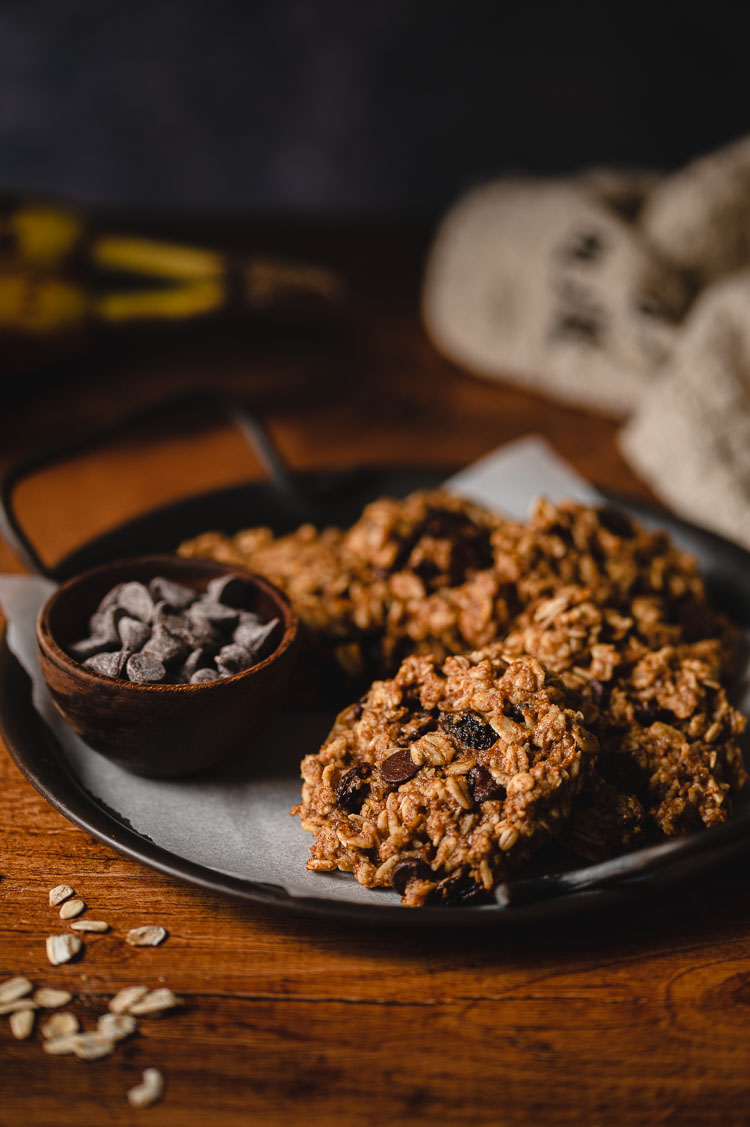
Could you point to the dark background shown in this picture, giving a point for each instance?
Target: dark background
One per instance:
(377, 106)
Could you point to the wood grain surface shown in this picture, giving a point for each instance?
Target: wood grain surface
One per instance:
(635, 1018)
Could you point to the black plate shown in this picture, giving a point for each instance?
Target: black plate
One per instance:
(338, 498)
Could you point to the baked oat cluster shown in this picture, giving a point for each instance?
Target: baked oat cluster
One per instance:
(592, 680)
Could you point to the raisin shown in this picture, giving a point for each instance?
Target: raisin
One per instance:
(483, 787)
(516, 712)
(411, 868)
(616, 521)
(352, 790)
(471, 730)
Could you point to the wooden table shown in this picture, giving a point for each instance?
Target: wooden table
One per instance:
(639, 1018)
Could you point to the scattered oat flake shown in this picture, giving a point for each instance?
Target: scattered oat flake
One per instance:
(90, 925)
(14, 988)
(92, 1046)
(116, 1026)
(149, 1090)
(59, 893)
(17, 1006)
(50, 998)
(62, 948)
(56, 1046)
(148, 936)
(156, 1001)
(60, 1025)
(124, 999)
(72, 908)
(21, 1024)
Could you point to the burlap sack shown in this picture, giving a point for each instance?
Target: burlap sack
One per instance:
(691, 438)
(699, 219)
(545, 284)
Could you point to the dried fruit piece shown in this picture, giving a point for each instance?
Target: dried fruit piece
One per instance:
(399, 767)
(72, 908)
(471, 730)
(50, 998)
(59, 1025)
(62, 948)
(90, 925)
(150, 935)
(411, 868)
(116, 1026)
(21, 1024)
(149, 1090)
(124, 999)
(15, 987)
(59, 893)
(352, 789)
(155, 1002)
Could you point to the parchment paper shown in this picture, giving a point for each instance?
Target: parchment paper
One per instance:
(236, 819)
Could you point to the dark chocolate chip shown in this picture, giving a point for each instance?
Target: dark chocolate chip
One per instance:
(108, 664)
(196, 659)
(110, 599)
(399, 767)
(87, 647)
(616, 521)
(471, 730)
(202, 676)
(135, 599)
(166, 647)
(231, 590)
(459, 888)
(599, 692)
(352, 789)
(144, 668)
(207, 610)
(253, 635)
(515, 712)
(411, 868)
(650, 712)
(233, 659)
(483, 786)
(173, 594)
(104, 624)
(133, 634)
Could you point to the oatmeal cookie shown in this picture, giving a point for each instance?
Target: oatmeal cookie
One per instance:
(444, 778)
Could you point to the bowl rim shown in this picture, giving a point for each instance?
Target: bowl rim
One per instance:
(50, 648)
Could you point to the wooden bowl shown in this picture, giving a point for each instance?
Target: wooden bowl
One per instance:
(161, 730)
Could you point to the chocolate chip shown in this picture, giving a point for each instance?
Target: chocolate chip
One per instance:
(411, 868)
(352, 790)
(599, 692)
(206, 610)
(202, 676)
(616, 521)
(144, 668)
(171, 593)
(483, 786)
(133, 634)
(233, 659)
(231, 590)
(111, 598)
(253, 634)
(135, 599)
(166, 647)
(650, 712)
(195, 660)
(108, 664)
(87, 647)
(515, 712)
(459, 888)
(104, 624)
(399, 767)
(471, 730)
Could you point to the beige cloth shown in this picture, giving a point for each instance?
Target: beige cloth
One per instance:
(623, 293)
(691, 438)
